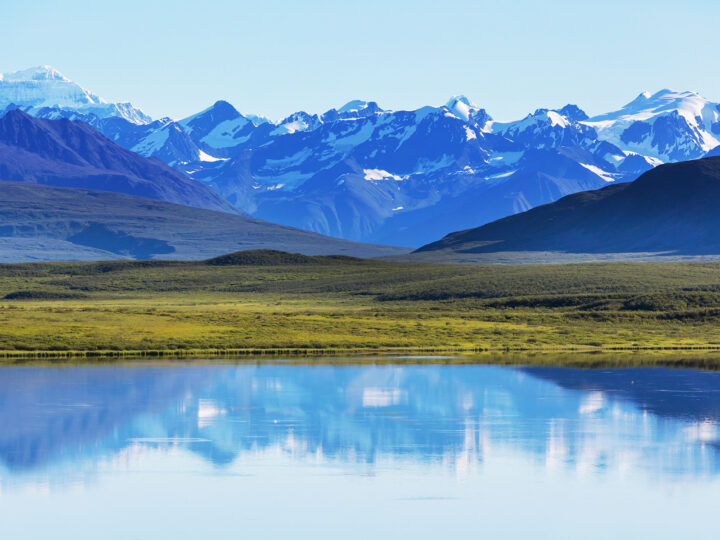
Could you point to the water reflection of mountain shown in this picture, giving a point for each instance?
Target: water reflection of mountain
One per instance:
(658, 419)
(679, 393)
(47, 414)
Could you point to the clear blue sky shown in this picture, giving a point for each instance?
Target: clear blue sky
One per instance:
(275, 56)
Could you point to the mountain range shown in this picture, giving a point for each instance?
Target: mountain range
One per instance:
(364, 173)
(669, 212)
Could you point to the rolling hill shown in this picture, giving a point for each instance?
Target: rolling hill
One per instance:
(43, 223)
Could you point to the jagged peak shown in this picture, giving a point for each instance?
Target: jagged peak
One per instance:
(573, 112)
(465, 109)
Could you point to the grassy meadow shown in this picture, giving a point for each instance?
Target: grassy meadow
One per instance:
(264, 301)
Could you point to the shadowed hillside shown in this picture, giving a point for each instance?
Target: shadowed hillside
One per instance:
(72, 154)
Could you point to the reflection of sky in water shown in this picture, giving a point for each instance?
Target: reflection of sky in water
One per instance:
(445, 444)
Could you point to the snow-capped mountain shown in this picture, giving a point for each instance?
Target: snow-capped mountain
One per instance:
(45, 92)
(404, 177)
(667, 125)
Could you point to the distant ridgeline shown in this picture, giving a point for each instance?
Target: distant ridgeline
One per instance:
(398, 177)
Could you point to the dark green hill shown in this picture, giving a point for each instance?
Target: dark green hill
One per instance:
(270, 257)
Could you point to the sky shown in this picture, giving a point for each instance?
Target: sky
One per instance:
(274, 57)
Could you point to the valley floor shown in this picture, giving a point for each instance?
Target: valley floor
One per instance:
(331, 305)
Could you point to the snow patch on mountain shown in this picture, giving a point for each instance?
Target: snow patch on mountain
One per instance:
(290, 127)
(649, 160)
(286, 181)
(202, 156)
(557, 119)
(501, 159)
(598, 171)
(501, 175)
(378, 174)
(462, 107)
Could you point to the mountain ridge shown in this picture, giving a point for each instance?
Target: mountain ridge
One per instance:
(73, 154)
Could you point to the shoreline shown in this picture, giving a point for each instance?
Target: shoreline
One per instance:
(706, 358)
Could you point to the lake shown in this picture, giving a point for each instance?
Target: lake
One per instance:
(349, 450)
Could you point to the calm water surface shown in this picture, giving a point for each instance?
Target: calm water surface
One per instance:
(392, 451)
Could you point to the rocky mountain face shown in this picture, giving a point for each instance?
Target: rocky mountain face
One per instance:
(409, 177)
